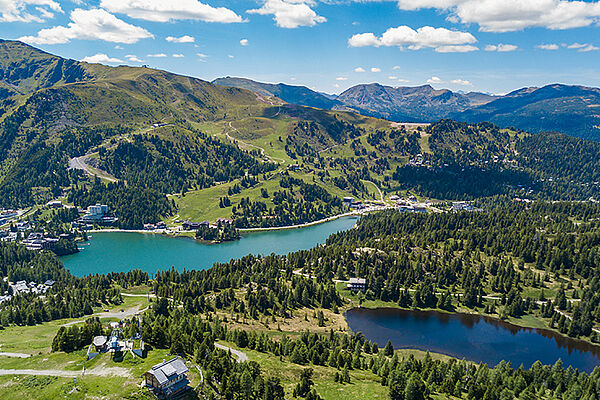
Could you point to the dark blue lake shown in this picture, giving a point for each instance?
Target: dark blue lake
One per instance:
(472, 337)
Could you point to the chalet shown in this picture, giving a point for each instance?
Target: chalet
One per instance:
(224, 221)
(462, 206)
(192, 226)
(347, 201)
(419, 208)
(357, 284)
(357, 205)
(167, 379)
(54, 204)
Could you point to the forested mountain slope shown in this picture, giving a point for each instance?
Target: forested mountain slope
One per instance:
(573, 110)
(258, 161)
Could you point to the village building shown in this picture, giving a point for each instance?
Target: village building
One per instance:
(98, 214)
(357, 284)
(167, 379)
(54, 204)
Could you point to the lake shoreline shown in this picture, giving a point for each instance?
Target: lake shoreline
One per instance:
(169, 232)
(122, 251)
(511, 322)
(470, 336)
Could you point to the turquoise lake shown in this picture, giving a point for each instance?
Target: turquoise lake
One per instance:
(123, 251)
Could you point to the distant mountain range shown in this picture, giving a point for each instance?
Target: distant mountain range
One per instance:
(574, 110)
(299, 95)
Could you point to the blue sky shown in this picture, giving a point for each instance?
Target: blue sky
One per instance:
(485, 45)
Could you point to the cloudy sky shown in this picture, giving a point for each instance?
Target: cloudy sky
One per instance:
(329, 45)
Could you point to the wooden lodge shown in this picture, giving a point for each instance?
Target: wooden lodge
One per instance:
(167, 379)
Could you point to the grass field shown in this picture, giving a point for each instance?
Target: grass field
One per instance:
(363, 384)
(121, 380)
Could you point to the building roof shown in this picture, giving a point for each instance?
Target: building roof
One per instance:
(99, 341)
(358, 281)
(168, 370)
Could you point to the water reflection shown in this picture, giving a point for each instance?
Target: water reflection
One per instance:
(474, 337)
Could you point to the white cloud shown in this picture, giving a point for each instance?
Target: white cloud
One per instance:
(133, 58)
(375, 69)
(119, 47)
(513, 15)
(456, 49)
(549, 46)
(501, 48)
(168, 10)
(434, 80)
(231, 56)
(589, 47)
(178, 56)
(183, 39)
(461, 82)
(393, 78)
(582, 47)
(100, 58)
(92, 24)
(289, 13)
(441, 39)
(341, 78)
(395, 67)
(202, 55)
(157, 55)
(364, 40)
(359, 69)
(21, 10)
(244, 42)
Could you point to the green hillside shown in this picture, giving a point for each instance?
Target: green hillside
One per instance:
(203, 151)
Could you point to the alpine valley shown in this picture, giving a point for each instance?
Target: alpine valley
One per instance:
(243, 240)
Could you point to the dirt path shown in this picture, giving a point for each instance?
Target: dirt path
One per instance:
(379, 190)
(15, 355)
(262, 151)
(240, 355)
(103, 371)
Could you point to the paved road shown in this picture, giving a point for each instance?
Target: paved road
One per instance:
(240, 355)
(81, 163)
(277, 228)
(130, 312)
